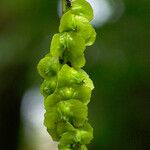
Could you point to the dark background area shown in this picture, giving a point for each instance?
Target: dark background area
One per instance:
(118, 64)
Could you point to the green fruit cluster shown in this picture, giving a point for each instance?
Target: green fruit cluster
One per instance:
(66, 87)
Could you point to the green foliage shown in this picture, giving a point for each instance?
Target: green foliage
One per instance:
(66, 87)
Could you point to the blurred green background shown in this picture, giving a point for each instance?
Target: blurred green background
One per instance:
(118, 64)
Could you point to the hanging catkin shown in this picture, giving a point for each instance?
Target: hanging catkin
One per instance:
(66, 87)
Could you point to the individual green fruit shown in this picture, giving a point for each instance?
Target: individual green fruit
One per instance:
(48, 86)
(78, 24)
(85, 134)
(51, 101)
(82, 8)
(76, 139)
(73, 111)
(63, 127)
(48, 67)
(69, 76)
(57, 47)
(82, 93)
(67, 42)
(51, 118)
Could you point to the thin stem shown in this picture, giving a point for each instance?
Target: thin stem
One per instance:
(63, 6)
